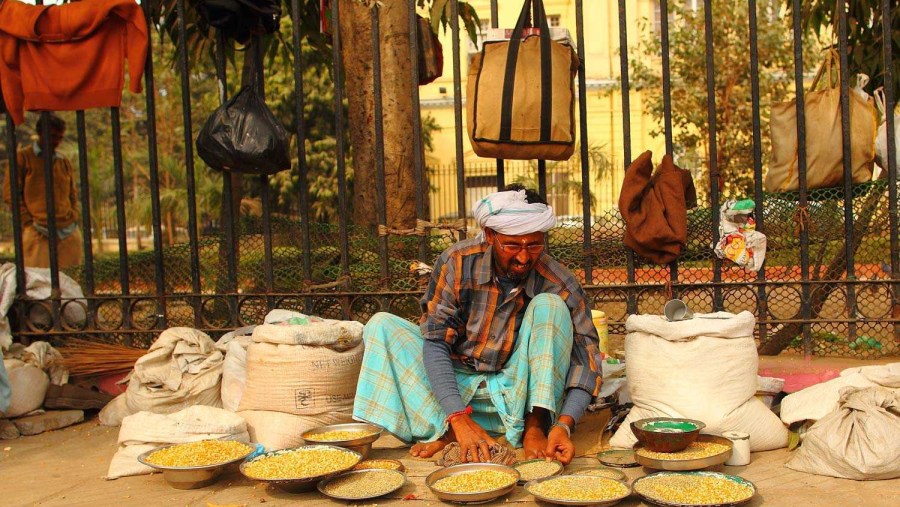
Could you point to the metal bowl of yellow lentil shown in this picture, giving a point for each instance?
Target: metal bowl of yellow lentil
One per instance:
(301, 468)
(578, 490)
(707, 451)
(472, 482)
(694, 489)
(362, 484)
(195, 464)
(354, 436)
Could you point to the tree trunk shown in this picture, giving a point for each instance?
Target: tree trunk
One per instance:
(780, 339)
(399, 159)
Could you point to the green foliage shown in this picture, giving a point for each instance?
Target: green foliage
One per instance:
(865, 34)
(734, 120)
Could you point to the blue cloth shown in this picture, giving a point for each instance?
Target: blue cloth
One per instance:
(5, 393)
(395, 393)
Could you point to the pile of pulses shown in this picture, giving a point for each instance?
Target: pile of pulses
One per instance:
(368, 484)
(579, 488)
(300, 464)
(693, 489)
(198, 454)
(538, 469)
(696, 450)
(340, 436)
(379, 464)
(478, 481)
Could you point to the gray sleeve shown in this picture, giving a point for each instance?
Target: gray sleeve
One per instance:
(439, 367)
(577, 401)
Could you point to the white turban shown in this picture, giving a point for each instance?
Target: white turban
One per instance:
(510, 214)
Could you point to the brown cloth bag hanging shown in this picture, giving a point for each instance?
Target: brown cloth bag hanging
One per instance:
(655, 206)
(824, 135)
(521, 96)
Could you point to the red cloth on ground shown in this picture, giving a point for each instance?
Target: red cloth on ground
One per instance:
(654, 207)
(70, 57)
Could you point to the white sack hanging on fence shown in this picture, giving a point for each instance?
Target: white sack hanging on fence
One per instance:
(739, 241)
(37, 288)
(144, 431)
(182, 368)
(704, 368)
(860, 440)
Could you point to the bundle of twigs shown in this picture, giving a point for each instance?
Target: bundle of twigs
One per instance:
(86, 358)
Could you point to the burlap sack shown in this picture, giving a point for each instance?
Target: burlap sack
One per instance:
(521, 96)
(824, 135)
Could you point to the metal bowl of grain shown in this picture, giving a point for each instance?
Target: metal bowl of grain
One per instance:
(707, 451)
(362, 484)
(195, 464)
(301, 468)
(537, 469)
(694, 489)
(578, 490)
(357, 437)
(472, 482)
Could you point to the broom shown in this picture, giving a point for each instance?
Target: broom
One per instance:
(87, 358)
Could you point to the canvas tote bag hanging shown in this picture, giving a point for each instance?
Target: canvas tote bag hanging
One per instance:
(824, 141)
(521, 97)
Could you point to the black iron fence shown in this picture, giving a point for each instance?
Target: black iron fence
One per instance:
(829, 286)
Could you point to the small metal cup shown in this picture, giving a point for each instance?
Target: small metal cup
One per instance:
(676, 310)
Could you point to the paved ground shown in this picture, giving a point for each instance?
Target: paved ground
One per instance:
(65, 468)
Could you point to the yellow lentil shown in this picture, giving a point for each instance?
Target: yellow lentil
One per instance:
(368, 484)
(580, 489)
(476, 481)
(196, 454)
(538, 469)
(693, 489)
(300, 464)
(340, 436)
(381, 464)
(696, 450)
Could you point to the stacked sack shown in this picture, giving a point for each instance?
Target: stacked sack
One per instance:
(704, 369)
(182, 368)
(300, 373)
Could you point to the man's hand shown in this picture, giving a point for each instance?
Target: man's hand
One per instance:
(474, 442)
(559, 445)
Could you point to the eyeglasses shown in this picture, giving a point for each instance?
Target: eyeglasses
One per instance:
(514, 248)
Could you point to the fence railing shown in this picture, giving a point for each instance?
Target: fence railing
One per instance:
(829, 286)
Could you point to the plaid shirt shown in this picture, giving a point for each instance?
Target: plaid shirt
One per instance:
(464, 307)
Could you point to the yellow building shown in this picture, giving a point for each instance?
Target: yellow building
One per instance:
(604, 109)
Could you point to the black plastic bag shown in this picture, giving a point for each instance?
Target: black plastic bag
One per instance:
(240, 19)
(243, 134)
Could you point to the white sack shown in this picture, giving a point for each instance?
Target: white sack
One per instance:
(705, 369)
(181, 369)
(144, 431)
(45, 357)
(858, 441)
(234, 372)
(817, 401)
(114, 411)
(28, 385)
(277, 430)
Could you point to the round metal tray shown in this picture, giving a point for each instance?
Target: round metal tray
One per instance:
(559, 469)
(471, 498)
(617, 475)
(687, 464)
(603, 503)
(324, 484)
(360, 445)
(191, 477)
(618, 458)
(664, 503)
(303, 484)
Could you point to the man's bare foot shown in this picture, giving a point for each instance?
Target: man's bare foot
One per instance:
(429, 449)
(534, 442)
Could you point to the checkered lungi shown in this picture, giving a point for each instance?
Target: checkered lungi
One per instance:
(394, 393)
